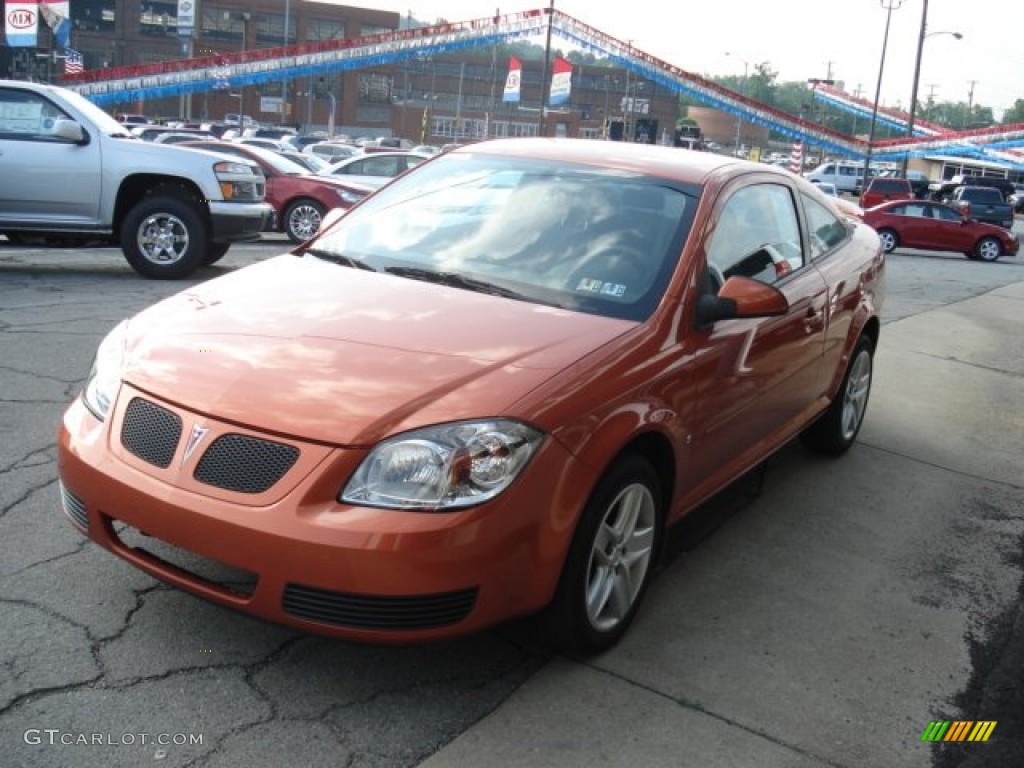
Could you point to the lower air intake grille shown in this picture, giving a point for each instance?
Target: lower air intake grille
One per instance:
(245, 464)
(74, 507)
(378, 612)
(150, 432)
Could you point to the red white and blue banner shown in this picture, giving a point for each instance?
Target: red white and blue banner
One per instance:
(561, 82)
(513, 81)
(21, 23)
(172, 78)
(58, 19)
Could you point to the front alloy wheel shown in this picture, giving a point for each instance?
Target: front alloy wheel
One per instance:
(988, 249)
(610, 561)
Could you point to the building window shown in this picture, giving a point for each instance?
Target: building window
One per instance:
(269, 29)
(222, 25)
(322, 29)
(375, 88)
(95, 15)
(159, 20)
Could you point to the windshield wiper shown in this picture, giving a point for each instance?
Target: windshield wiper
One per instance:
(338, 258)
(454, 280)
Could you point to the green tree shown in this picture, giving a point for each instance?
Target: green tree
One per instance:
(1014, 114)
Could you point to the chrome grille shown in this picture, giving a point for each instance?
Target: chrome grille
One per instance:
(245, 464)
(150, 432)
(378, 611)
(74, 507)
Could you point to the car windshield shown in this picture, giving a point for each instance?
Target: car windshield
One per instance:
(581, 238)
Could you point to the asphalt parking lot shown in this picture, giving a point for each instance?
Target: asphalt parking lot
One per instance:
(819, 613)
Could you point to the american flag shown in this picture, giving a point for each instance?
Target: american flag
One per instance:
(73, 62)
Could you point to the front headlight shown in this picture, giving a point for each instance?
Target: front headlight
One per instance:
(348, 197)
(443, 467)
(105, 375)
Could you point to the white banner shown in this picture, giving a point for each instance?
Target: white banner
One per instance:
(186, 18)
(21, 23)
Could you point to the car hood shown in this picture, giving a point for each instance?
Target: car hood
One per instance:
(302, 347)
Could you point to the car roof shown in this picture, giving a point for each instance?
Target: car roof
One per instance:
(684, 165)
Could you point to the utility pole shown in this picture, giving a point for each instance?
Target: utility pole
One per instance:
(970, 104)
(547, 69)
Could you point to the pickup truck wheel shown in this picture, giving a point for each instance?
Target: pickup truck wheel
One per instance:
(164, 238)
(988, 249)
(215, 252)
(836, 430)
(302, 220)
(889, 240)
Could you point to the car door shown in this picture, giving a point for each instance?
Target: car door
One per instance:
(58, 181)
(949, 229)
(914, 225)
(757, 378)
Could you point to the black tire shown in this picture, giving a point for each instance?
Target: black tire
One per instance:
(613, 553)
(836, 430)
(164, 237)
(302, 220)
(988, 249)
(215, 252)
(890, 240)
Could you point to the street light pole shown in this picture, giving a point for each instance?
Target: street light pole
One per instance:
(743, 92)
(917, 73)
(287, 40)
(889, 6)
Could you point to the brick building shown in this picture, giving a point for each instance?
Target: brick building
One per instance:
(434, 98)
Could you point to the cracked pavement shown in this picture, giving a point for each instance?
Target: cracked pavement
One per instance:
(94, 647)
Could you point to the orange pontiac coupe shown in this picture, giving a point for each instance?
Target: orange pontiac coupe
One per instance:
(483, 392)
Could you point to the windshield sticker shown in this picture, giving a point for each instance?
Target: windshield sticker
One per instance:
(590, 285)
(613, 289)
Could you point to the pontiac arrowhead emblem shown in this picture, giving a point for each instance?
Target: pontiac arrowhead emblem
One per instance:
(194, 439)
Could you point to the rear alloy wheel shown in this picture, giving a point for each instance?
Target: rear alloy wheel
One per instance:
(836, 430)
(611, 559)
(889, 240)
(302, 220)
(988, 249)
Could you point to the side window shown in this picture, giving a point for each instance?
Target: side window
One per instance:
(757, 235)
(25, 115)
(946, 214)
(825, 228)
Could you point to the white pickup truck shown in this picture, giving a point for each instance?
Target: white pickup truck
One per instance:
(70, 170)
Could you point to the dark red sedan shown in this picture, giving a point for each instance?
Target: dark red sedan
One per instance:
(300, 198)
(934, 226)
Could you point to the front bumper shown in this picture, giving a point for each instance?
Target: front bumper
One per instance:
(317, 565)
(239, 222)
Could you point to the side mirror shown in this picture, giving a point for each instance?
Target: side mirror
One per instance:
(68, 130)
(741, 297)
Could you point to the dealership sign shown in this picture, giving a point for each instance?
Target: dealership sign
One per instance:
(21, 21)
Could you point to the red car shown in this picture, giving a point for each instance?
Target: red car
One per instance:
(299, 197)
(935, 226)
(882, 189)
(485, 391)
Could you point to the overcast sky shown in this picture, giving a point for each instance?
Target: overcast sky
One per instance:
(803, 38)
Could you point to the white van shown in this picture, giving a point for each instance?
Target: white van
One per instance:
(848, 177)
